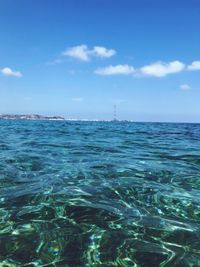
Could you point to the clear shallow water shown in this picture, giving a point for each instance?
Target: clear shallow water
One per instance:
(99, 194)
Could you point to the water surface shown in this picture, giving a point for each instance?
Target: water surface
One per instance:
(99, 194)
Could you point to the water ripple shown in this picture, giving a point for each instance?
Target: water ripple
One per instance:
(99, 194)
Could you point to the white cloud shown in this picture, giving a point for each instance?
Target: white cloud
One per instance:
(161, 69)
(82, 52)
(78, 99)
(9, 72)
(185, 87)
(103, 52)
(157, 69)
(116, 70)
(79, 52)
(195, 65)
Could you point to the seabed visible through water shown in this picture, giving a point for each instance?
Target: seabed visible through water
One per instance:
(99, 194)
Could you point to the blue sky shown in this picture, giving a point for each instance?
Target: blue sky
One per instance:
(78, 58)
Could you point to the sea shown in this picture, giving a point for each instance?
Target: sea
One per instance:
(99, 194)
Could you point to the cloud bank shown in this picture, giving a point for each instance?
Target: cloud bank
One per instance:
(157, 69)
(9, 72)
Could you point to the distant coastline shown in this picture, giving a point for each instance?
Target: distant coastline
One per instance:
(29, 117)
(51, 118)
(35, 117)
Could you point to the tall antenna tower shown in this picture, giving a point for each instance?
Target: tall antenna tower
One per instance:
(115, 113)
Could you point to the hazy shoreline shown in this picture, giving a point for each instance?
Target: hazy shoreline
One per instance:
(59, 118)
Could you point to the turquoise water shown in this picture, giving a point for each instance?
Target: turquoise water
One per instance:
(99, 194)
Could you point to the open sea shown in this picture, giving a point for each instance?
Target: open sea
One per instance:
(99, 194)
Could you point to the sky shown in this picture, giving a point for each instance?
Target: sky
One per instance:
(79, 58)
